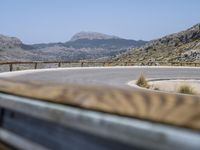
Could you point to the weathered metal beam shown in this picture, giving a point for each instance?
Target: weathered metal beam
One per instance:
(174, 109)
(19, 142)
(39, 119)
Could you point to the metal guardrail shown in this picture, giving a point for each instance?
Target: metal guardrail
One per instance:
(72, 116)
(35, 124)
(175, 109)
(103, 63)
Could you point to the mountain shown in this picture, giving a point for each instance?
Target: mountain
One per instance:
(181, 46)
(12, 49)
(9, 42)
(84, 48)
(87, 45)
(92, 36)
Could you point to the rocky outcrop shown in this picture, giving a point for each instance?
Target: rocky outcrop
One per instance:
(190, 55)
(9, 42)
(168, 48)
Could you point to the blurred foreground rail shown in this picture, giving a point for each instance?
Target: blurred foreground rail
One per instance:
(37, 115)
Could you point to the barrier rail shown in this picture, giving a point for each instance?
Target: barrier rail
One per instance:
(165, 108)
(97, 63)
(101, 117)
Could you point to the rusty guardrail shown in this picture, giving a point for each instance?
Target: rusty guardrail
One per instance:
(97, 63)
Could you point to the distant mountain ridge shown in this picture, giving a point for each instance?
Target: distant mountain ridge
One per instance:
(181, 46)
(92, 36)
(87, 45)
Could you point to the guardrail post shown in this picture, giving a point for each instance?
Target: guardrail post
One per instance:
(11, 67)
(82, 64)
(59, 64)
(2, 112)
(35, 66)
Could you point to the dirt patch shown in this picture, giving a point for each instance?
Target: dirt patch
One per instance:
(174, 85)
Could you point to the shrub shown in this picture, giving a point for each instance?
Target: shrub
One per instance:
(156, 88)
(142, 82)
(185, 89)
(17, 69)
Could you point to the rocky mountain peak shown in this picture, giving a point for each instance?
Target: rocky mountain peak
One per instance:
(9, 42)
(92, 36)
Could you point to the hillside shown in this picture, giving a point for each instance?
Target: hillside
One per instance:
(82, 46)
(9, 42)
(12, 49)
(182, 46)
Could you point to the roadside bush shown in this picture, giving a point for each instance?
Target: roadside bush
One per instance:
(17, 69)
(156, 88)
(185, 89)
(142, 82)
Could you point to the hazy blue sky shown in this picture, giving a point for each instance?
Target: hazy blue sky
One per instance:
(36, 21)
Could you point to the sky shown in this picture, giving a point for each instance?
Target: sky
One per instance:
(44, 21)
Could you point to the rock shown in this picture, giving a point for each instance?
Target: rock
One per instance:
(193, 54)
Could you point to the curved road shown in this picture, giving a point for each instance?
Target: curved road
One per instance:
(100, 124)
(112, 76)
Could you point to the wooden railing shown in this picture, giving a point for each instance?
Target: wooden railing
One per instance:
(99, 63)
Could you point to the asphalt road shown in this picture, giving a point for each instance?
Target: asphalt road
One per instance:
(116, 76)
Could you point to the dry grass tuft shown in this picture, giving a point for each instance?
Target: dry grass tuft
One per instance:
(142, 82)
(185, 89)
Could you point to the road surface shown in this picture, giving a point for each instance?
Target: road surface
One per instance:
(112, 76)
(116, 130)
